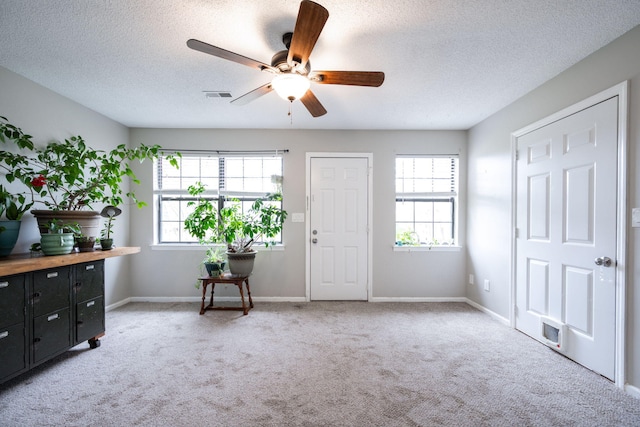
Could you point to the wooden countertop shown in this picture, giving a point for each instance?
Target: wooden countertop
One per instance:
(22, 263)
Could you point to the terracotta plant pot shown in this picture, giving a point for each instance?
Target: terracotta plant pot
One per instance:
(88, 220)
(86, 244)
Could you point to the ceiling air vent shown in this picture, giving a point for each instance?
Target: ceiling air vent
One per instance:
(216, 94)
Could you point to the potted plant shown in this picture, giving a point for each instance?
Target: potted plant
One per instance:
(202, 223)
(238, 230)
(407, 238)
(109, 212)
(69, 178)
(60, 238)
(214, 260)
(83, 242)
(12, 207)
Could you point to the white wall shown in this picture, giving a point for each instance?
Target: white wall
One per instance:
(489, 177)
(46, 115)
(281, 274)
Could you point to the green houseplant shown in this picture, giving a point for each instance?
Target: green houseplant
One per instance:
(202, 223)
(70, 175)
(12, 208)
(237, 230)
(60, 238)
(109, 212)
(83, 242)
(214, 260)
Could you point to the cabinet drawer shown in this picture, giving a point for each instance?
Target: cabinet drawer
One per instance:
(51, 290)
(90, 319)
(51, 334)
(12, 291)
(12, 350)
(89, 280)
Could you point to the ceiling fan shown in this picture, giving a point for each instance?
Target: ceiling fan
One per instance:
(291, 67)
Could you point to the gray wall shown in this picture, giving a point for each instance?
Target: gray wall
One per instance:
(489, 173)
(281, 274)
(46, 115)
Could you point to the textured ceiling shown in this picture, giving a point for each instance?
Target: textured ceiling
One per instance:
(448, 63)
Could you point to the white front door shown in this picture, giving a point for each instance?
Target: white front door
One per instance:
(566, 210)
(338, 220)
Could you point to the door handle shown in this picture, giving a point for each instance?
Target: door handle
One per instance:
(604, 261)
(314, 240)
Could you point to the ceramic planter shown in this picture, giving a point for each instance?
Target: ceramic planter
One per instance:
(57, 243)
(86, 244)
(9, 236)
(241, 264)
(106, 244)
(214, 268)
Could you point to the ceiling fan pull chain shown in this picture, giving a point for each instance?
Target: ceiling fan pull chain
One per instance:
(291, 113)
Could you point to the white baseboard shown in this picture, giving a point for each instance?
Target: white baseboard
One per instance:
(117, 304)
(632, 390)
(222, 299)
(417, 299)
(483, 309)
(279, 299)
(303, 299)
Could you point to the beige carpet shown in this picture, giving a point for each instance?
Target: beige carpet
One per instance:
(313, 364)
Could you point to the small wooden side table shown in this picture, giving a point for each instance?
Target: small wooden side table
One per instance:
(225, 278)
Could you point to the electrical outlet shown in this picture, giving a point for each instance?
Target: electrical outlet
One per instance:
(486, 285)
(471, 279)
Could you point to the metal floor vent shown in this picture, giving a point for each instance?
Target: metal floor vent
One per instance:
(216, 94)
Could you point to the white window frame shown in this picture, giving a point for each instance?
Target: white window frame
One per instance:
(450, 196)
(217, 193)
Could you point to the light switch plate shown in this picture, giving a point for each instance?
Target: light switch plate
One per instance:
(297, 217)
(635, 217)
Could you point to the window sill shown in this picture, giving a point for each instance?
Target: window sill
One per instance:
(426, 248)
(197, 247)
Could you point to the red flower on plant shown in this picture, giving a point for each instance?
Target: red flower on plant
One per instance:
(39, 181)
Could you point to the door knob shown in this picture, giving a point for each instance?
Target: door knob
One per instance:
(314, 240)
(604, 261)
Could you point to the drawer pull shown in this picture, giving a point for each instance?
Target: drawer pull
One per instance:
(4, 334)
(90, 303)
(4, 284)
(89, 267)
(52, 275)
(52, 317)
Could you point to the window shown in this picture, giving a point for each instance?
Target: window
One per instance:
(228, 179)
(426, 199)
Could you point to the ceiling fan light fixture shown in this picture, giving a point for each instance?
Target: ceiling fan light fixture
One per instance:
(291, 86)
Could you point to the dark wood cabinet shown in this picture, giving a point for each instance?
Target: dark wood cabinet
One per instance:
(50, 320)
(89, 302)
(13, 326)
(51, 305)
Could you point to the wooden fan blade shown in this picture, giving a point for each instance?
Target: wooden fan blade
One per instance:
(253, 95)
(353, 78)
(309, 25)
(313, 105)
(228, 55)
